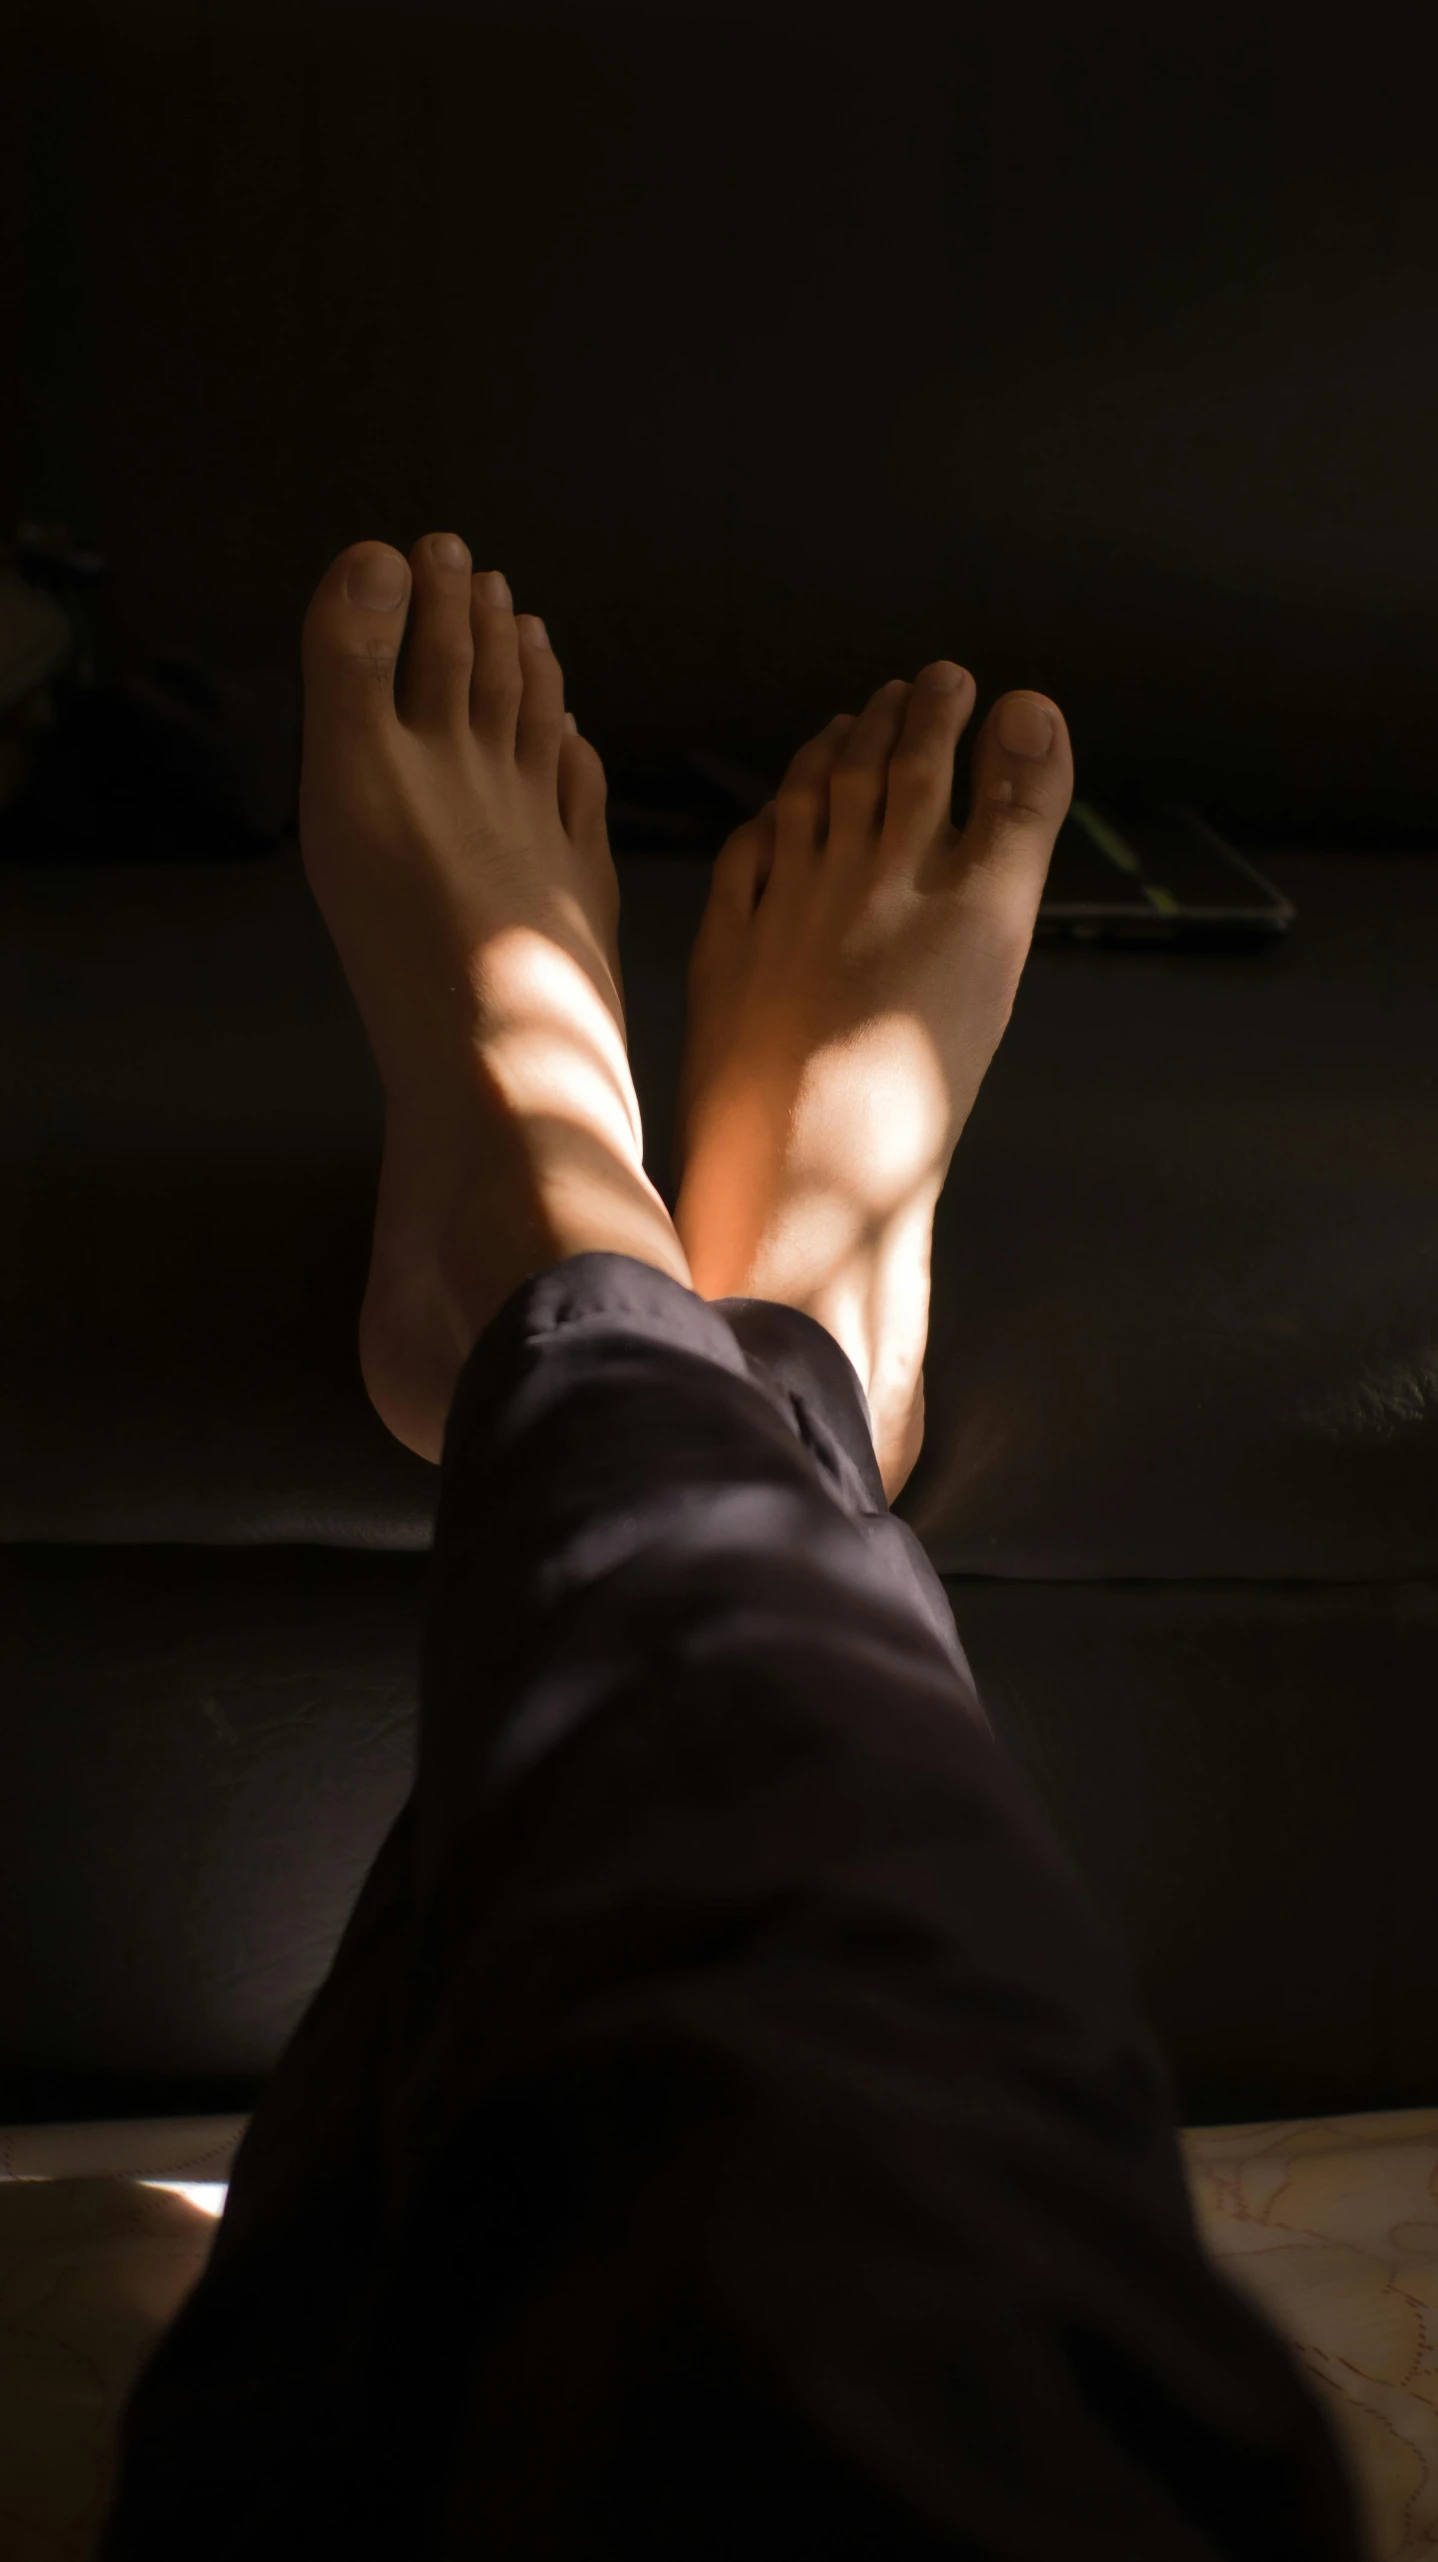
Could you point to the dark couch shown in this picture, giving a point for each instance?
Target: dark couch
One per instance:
(1181, 1473)
(771, 349)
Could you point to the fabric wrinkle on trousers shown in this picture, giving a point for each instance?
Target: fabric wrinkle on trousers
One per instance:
(725, 2127)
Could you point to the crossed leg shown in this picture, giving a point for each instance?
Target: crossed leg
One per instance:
(725, 2127)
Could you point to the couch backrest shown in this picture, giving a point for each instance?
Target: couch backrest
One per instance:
(774, 349)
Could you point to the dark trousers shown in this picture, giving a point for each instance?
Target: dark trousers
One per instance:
(726, 2128)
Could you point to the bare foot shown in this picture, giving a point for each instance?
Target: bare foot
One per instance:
(852, 978)
(452, 828)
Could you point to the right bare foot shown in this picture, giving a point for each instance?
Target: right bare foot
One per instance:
(455, 842)
(853, 976)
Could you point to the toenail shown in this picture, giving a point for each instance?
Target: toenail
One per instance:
(533, 631)
(496, 590)
(945, 678)
(449, 552)
(376, 579)
(571, 724)
(1025, 728)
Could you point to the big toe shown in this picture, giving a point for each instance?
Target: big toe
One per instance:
(1021, 785)
(352, 635)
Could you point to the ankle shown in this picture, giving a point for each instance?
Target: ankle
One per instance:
(577, 1195)
(874, 1300)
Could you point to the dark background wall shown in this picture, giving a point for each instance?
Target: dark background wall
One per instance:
(772, 351)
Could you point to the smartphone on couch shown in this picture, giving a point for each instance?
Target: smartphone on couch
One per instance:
(1163, 876)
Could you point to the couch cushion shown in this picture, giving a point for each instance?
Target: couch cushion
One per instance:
(1186, 1301)
(1186, 1275)
(1244, 1777)
(204, 1750)
(190, 1134)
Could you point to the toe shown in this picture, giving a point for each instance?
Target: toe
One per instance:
(438, 653)
(742, 866)
(736, 885)
(540, 724)
(801, 812)
(1022, 784)
(919, 796)
(496, 685)
(582, 787)
(352, 635)
(860, 777)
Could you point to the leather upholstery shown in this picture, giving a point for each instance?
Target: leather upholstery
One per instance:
(1182, 1469)
(1186, 1279)
(205, 1748)
(1094, 345)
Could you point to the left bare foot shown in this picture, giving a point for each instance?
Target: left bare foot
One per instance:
(852, 979)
